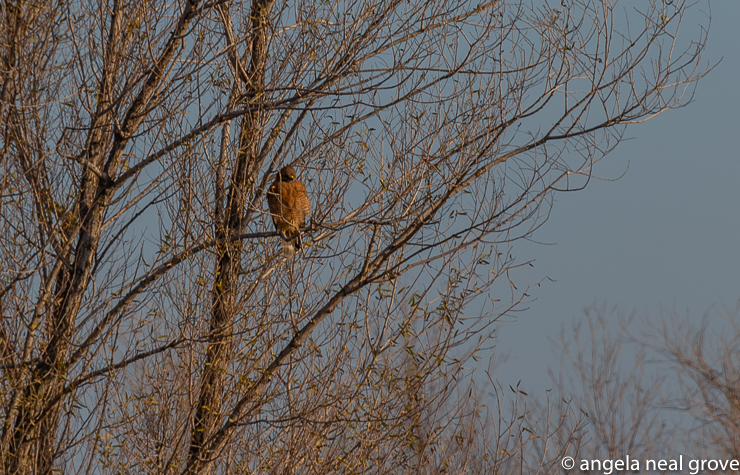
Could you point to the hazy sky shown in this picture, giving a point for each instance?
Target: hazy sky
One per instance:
(666, 235)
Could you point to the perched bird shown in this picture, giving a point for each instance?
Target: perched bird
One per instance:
(289, 207)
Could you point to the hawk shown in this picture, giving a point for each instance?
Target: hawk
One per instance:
(289, 206)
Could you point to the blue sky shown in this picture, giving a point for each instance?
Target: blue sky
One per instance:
(664, 236)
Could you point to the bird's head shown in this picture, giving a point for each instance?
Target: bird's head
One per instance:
(287, 173)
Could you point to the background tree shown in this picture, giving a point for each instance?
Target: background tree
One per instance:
(702, 356)
(621, 398)
(149, 323)
(653, 388)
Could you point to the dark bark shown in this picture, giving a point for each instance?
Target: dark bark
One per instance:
(209, 414)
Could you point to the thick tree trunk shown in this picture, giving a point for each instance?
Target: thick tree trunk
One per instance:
(32, 440)
(209, 415)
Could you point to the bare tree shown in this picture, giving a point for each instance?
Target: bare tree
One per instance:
(149, 322)
(704, 366)
(607, 376)
(652, 388)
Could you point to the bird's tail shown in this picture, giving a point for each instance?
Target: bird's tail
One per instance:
(291, 243)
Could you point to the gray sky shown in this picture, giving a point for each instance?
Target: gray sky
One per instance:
(666, 235)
